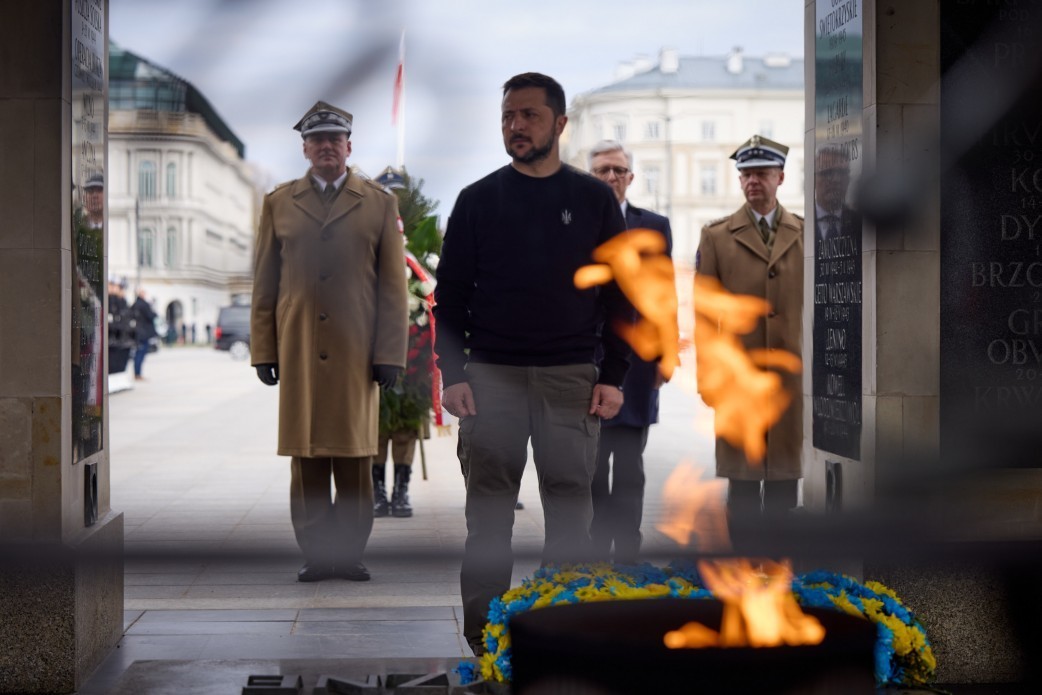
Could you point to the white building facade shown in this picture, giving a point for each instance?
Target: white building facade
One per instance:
(182, 201)
(681, 119)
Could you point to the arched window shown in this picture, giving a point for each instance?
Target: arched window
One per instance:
(146, 180)
(171, 180)
(146, 243)
(173, 248)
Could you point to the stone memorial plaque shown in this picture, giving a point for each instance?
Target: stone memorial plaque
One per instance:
(991, 233)
(836, 331)
(89, 320)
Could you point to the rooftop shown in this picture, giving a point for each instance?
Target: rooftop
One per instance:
(138, 84)
(733, 71)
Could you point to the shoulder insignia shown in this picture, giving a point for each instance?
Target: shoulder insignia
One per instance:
(373, 184)
(717, 221)
(281, 185)
(799, 217)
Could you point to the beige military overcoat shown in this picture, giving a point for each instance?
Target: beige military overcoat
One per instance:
(329, 301)
(733, 251)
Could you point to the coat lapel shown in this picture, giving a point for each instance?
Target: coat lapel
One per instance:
(747, 235)
(788, 233)
(349, 197)
(632, 217)
(306, 198)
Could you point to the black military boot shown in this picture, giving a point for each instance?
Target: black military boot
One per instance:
(400, 506)
(380, 505)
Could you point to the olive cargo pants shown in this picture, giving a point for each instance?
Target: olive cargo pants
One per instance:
(550, 406)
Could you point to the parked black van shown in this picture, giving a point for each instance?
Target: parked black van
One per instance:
(233, 330)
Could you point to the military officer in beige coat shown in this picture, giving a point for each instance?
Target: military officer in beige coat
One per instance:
(759, 251)
(329, 326)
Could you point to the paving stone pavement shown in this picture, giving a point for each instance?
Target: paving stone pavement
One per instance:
(211, 565)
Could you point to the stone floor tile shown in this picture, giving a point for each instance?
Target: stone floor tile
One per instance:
(294, 590)
(374, 614)
(211, 627)
(242, 616)
(154, 592)
(157, 579)
(377, 627)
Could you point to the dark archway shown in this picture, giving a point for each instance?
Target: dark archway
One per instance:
(174, 320)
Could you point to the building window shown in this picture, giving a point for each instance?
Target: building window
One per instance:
(146, 180)
(171, 180)
(708, 130)
(173, 248)
(651, 131)
(767, 129)
(651, 176)
(707, 179)
(146, 244)
(618, 132)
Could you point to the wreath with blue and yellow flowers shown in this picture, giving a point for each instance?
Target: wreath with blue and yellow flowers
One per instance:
(903, 655)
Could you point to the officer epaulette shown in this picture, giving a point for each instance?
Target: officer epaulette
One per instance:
(799, 217)
(281, 185)
(373, 184)
(718, 220)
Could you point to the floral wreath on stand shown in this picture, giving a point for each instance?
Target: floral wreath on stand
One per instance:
(408, 404)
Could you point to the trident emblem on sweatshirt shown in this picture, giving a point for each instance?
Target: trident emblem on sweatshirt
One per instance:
(566, 216)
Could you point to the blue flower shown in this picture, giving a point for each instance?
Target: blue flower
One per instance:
(468, 672)
(497, 611)
(886, 669)
(503, 663)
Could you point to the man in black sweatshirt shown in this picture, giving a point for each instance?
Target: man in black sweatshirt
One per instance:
(516, 341)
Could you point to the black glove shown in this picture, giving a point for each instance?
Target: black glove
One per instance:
(386, 375)
(268, 373)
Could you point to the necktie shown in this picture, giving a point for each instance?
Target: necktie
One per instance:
(765, 230)
(329, 193)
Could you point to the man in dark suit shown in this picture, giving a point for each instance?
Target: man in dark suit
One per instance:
(618, 508)
(832, 216)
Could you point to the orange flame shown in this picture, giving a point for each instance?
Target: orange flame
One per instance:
(747, 399)
(695, 508)
(759, 609)
(637, 262)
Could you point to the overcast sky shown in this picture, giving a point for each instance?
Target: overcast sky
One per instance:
(263, 63)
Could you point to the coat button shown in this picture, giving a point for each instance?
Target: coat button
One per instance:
(772, 274)
(326, 234)
(323, 316)
(323, 277)
(772, 314)
(322, 355)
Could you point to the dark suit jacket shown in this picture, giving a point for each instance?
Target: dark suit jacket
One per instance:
(640, 397)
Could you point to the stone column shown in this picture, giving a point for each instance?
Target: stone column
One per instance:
(925, 316)
(61, 572)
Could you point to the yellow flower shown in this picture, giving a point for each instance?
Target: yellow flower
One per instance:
(882, 589)
(844, 604)
(592, 593)
(547, 597)
(488, 670)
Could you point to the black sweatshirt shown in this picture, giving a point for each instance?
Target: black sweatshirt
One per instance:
(506, 276)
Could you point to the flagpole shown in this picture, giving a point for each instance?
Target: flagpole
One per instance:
(399, 100)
